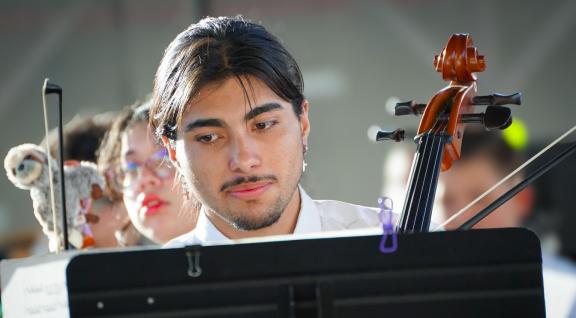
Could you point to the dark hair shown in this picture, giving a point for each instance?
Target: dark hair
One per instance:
(110, 149)
(81, 137)
(490, 145)
(212, 51)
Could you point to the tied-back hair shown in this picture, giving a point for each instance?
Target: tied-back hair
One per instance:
(212, 51)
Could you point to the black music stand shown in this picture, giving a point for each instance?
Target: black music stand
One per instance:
(478, 273)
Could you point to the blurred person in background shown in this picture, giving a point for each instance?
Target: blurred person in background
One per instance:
(488, 157)
(138, 170)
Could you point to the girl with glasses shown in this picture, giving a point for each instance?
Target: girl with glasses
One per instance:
(139, 170)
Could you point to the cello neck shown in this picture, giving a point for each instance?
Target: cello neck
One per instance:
(417, 211)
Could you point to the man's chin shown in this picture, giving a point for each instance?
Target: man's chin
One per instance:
(247, 224)
(251, 208)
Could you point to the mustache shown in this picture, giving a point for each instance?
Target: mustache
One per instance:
(250, 179)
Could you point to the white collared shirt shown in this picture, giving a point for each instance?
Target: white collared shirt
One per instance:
(315, 216)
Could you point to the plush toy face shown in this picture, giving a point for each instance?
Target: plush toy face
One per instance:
(24, 165)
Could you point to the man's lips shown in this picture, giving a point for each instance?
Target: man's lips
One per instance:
(249, 190)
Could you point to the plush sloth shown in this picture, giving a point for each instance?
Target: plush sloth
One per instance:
(27, 167)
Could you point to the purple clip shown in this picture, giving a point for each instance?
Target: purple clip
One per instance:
(389, 243)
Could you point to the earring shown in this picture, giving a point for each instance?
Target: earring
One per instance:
(304, 151)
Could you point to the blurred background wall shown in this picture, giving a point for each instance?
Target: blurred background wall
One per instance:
(355, 55)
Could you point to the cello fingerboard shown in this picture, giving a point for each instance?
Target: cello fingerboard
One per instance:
(417, 210)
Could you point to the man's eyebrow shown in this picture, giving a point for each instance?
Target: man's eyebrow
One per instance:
(213, 122)
(262, 109)
(203, 123)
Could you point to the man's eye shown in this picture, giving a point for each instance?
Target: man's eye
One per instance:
(209, 138)
(266, 124)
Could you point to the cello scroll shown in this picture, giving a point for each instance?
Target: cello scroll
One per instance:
(444, 118)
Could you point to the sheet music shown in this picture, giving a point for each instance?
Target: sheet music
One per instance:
(36, 286)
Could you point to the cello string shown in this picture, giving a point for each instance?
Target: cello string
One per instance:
(50, 176)
(424, 176)
(410, 187)
(409, 190)
(432, 188)
(432, 193)
(417, 189)
(428, 162)
(437, 148)
(508, 177)
(410, 193)
(425, 162)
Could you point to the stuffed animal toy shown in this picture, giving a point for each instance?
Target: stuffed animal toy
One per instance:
(27, 167)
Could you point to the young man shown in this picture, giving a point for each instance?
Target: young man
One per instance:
(229, 107)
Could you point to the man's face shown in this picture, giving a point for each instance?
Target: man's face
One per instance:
(467, 180)
(242, 160)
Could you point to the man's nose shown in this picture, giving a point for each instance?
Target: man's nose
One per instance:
(244, 154)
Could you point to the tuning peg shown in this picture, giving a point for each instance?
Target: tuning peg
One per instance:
(408, 108)
(396, 135)
(497, 117)
(470, 118)
(498, 99)
(506, 124)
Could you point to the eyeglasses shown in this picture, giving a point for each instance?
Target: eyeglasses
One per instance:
(158, 163)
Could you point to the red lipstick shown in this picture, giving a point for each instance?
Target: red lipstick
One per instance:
(150, 204)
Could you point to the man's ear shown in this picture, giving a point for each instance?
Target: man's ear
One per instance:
(304, 122)
(171, 148)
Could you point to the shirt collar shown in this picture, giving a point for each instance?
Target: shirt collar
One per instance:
(206, 231)
(308, 221)
(309, 216)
